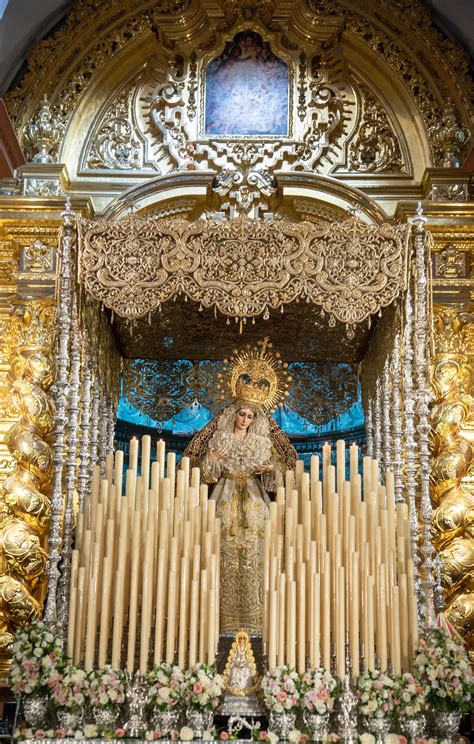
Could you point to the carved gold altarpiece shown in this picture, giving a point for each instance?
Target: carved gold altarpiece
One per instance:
(299, 236)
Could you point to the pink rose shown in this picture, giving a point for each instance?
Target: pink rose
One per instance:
(224, 736)
(197, 688)
(281, 696)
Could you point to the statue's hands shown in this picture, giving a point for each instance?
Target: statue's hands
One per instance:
(265, 468)
(216, 455)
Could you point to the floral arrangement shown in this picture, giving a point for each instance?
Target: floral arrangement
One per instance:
(106, 687)
(442, 667)
(203, 687)
(319, 690)
(282, 690)
(259, 735)
(71, 689)
(375, 693)
(38, 659)
(409, 695)
(166, 686)
(89, 731)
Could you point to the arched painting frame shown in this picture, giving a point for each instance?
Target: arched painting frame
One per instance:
(247, 90)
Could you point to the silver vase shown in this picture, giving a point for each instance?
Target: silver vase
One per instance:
(379, 727)
(165, 720)
(70, 719)
(35, 708)
(413, 726)
(136, 699)
(446, 723)
(200, 720)
(316, 724)
(106, 718)
(282, 723)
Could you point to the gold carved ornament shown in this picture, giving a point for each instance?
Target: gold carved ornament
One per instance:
(244, 268)
(94, 32)
(255, 376)
(25, 507)
(453, 518)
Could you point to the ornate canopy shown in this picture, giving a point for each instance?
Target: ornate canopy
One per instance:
(322, 275)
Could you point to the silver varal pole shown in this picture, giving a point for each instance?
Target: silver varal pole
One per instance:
(71, 465)
(423, 398)
(61, 392)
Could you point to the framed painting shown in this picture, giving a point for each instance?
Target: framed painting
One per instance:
(246, 90)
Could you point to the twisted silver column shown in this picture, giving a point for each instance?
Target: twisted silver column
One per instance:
(71, 466)
(61, 392)
(423, 398)
(386, 417)
(397, 421)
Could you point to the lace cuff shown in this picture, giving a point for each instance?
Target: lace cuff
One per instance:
(273, 479)
(210, 470)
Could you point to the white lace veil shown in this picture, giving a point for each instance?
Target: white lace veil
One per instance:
(259, 425)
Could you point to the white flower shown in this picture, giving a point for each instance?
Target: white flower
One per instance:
(90, 731)
(366, 739)
(391, 739)
(272, 737)
(186, 734)
(208, 736)
(294, 736)
(78, 734)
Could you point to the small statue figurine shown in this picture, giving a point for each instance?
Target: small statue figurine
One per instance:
(240, 675)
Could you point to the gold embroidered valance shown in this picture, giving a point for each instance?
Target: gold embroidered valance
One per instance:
(243, 268)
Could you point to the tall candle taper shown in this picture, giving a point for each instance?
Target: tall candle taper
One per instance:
(133, 454)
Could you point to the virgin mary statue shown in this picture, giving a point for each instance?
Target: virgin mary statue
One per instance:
(245, 454)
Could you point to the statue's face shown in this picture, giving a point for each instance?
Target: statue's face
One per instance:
(243, 419)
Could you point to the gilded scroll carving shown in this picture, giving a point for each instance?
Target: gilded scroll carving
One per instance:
(425, 62)
(448, 137)
(425, 52)
(42, 136)
(453, 518)
(116, 144)
(375, 149)
(25, 507)
(452, 261)
(244, 268)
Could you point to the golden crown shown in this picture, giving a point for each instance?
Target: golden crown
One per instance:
(256, 376)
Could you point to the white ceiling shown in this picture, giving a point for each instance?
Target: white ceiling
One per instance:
(26, 21)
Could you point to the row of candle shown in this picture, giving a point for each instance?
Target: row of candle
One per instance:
(145, 567)
(339, 570)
